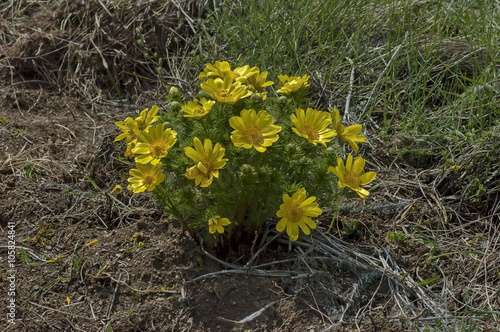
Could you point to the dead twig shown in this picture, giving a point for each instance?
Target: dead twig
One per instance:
(248, 318)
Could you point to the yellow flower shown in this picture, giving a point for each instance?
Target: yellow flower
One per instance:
(242, 74)
(154, 145)
(130, 132)
(147, 117)
(295, 213)
(132, 128)
(198, 108)
(219, 69)
(145, 177)
(216, 224)
(209, 160)
(351, 134)
(257, 81)
(254, 130)
(313, 125)
(352, 175)
(225, 91)
(222, 69)
(292, 84)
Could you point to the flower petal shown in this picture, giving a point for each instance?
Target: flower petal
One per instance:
(281, 224)
(293, 231)
(359, 165)
(363, 193)
(348, 163)
(304, 227)
(368, 177)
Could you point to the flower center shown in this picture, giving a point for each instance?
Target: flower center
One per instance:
(148, 178)
(140, 123)
(294, 213)
(352, 179)
(254, 135)
(227, 73)
(311, 132)
(223, 93)
(157, 149)
(208, 166)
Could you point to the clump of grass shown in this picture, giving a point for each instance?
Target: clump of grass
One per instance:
(118, 48)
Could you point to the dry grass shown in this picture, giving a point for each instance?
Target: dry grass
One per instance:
(98, 50)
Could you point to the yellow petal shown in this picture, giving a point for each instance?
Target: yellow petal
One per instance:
(192, 154)
(353, 146)
(281, 224)
(368, 177)
(310, 223)
(117, 190)
(293, 231)
(304, 227)
(359, 165)
(363, 193)
(348, 163)
(354, 129)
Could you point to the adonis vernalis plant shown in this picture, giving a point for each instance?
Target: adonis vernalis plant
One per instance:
(239, 155)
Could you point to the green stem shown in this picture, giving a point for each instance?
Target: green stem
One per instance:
(204, 127)
(179, 216)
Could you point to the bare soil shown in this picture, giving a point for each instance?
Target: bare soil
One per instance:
(58, 164)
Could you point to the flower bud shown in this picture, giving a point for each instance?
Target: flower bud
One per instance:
(174, 104)
(263, 171)
(173, 91)
(246, 169)
(256, 97)
(282, 99)
(291, 147)
(202, 94)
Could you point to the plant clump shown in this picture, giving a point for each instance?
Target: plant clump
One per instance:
(239, 155)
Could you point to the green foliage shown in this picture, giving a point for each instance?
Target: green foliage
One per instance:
(429, 281)
(268, 149)
(28, 170)
(251, 185)
(351, 227)
(396, 238)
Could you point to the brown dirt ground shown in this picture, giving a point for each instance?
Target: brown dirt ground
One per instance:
(58, 163)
